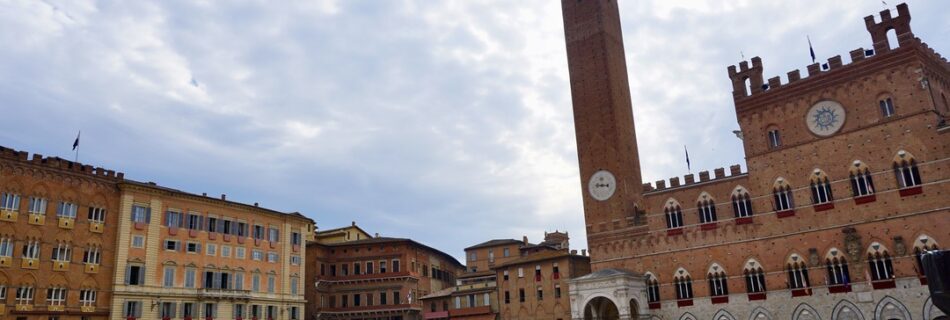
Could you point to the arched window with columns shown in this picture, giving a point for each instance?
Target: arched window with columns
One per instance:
(718, 281)
(923, 244)
(674, 214)
(782, 192)
(741, 203)
(683, 285)
(905, 170)
(820, 188)
(706, 207)
(862, 183)
(839, 277)
(754, 277)
(879, 263)
(797, 274)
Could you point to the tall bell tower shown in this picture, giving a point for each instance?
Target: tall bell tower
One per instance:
(603, 117)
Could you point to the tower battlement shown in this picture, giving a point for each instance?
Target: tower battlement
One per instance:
(748, 82)
(60, 163)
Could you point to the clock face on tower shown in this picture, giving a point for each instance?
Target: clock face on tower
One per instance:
(825, 118)
(602, 185)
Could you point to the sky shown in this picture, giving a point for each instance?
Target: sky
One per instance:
(448, 122)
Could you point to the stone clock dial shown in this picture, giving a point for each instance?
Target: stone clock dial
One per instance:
(602, 185)
(825, 118)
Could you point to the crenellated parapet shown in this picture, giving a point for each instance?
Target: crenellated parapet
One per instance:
(61, 164)
(748, 82)
(690, 179)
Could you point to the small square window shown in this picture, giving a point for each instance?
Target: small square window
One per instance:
(212, 249)
(193, 247)
(138, 241)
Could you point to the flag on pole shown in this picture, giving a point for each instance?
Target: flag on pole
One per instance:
(810, 49)
(76, 143)
(687, 158)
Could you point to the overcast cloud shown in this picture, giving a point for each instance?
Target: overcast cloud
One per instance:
(448, 122)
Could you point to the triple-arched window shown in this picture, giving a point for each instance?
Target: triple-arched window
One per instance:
(879, 262)
(797, 272)
(718, 285)
(820, 187)
(707, 208)
(741, 203)
(837, 267)
(923, 244)
(782, 193)
(674, 215)
(862, 183)
(905, 168)
(754, 277)
(653, 288)
(683, 284)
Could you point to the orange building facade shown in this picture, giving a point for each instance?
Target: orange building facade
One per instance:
(57, 236)
(187, 256)
(846, 185)
(374, 278)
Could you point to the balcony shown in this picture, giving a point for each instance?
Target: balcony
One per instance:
(9, 215)
(490, 285)
(96, 227)
(67, 223)
(60, 265)
(370, 277)
(224, 293)
(30, 263)
(37, 219)
(470, 311)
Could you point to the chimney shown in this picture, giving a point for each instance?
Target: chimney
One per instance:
(353, 223)
(204, 194)
(584, 252)
(377, 235)
(524, 240)
(255, 204)
(574, 252)
(224, 197)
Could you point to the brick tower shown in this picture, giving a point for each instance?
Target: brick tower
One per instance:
(603, 119)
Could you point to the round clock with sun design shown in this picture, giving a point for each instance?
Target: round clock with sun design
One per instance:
(825, 118)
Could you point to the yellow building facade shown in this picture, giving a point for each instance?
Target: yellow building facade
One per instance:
(187, 256)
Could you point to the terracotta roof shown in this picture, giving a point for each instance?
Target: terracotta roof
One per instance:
(154, 186)
(494, 242)
(325, 232)
(441, 293)
(540, 256)
(476, 274)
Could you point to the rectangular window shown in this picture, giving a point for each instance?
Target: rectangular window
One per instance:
(194, 221)
(97, 215)
(507, 297)
(67, 210)
(520, 272)
(241, 229)
(239, 252)
(295, 238)
(141, 214)
(506, 252)
(238, 281)
(505, 275)
(212, 249)
(458, 302)
(138, 241)
(887, 107)
(382, 298)
(190, 277)
(369, 267)
(37, 205)
(91, 256)
(10, 201)
(31, 250)
(295, 260)
(382, 267)
(395, 297)
(356, 268)
(491, 255)
(294, 313)
(211, 310)
(486, 299)
(6, 247)
(272, 257)
(357, 299)
(273, 235)
(258, 232)
(187, 310)
(132, 309)
(557, 291)
(345, 269)
(395, 265)
(238, 311)
(521, 295)
(212, 224)
(135, 275)
(168, 310)
(168, 279)
(256, 283)
(61, 253)
(173, 219)
(471, 301)
(472, 256)
(540, 293)
(271, 284)
(172, 245)
(226, 251)
(193, 247)
(24, 295)
(55, 296)
(228, 227)
(293, 286)
(87, 297)
(775, 140)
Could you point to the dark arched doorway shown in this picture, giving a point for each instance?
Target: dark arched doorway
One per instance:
(601, 308)
(634, 309)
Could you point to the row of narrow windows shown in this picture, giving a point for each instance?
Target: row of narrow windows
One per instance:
(880, 269)
(861, 180)
(886, 106)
